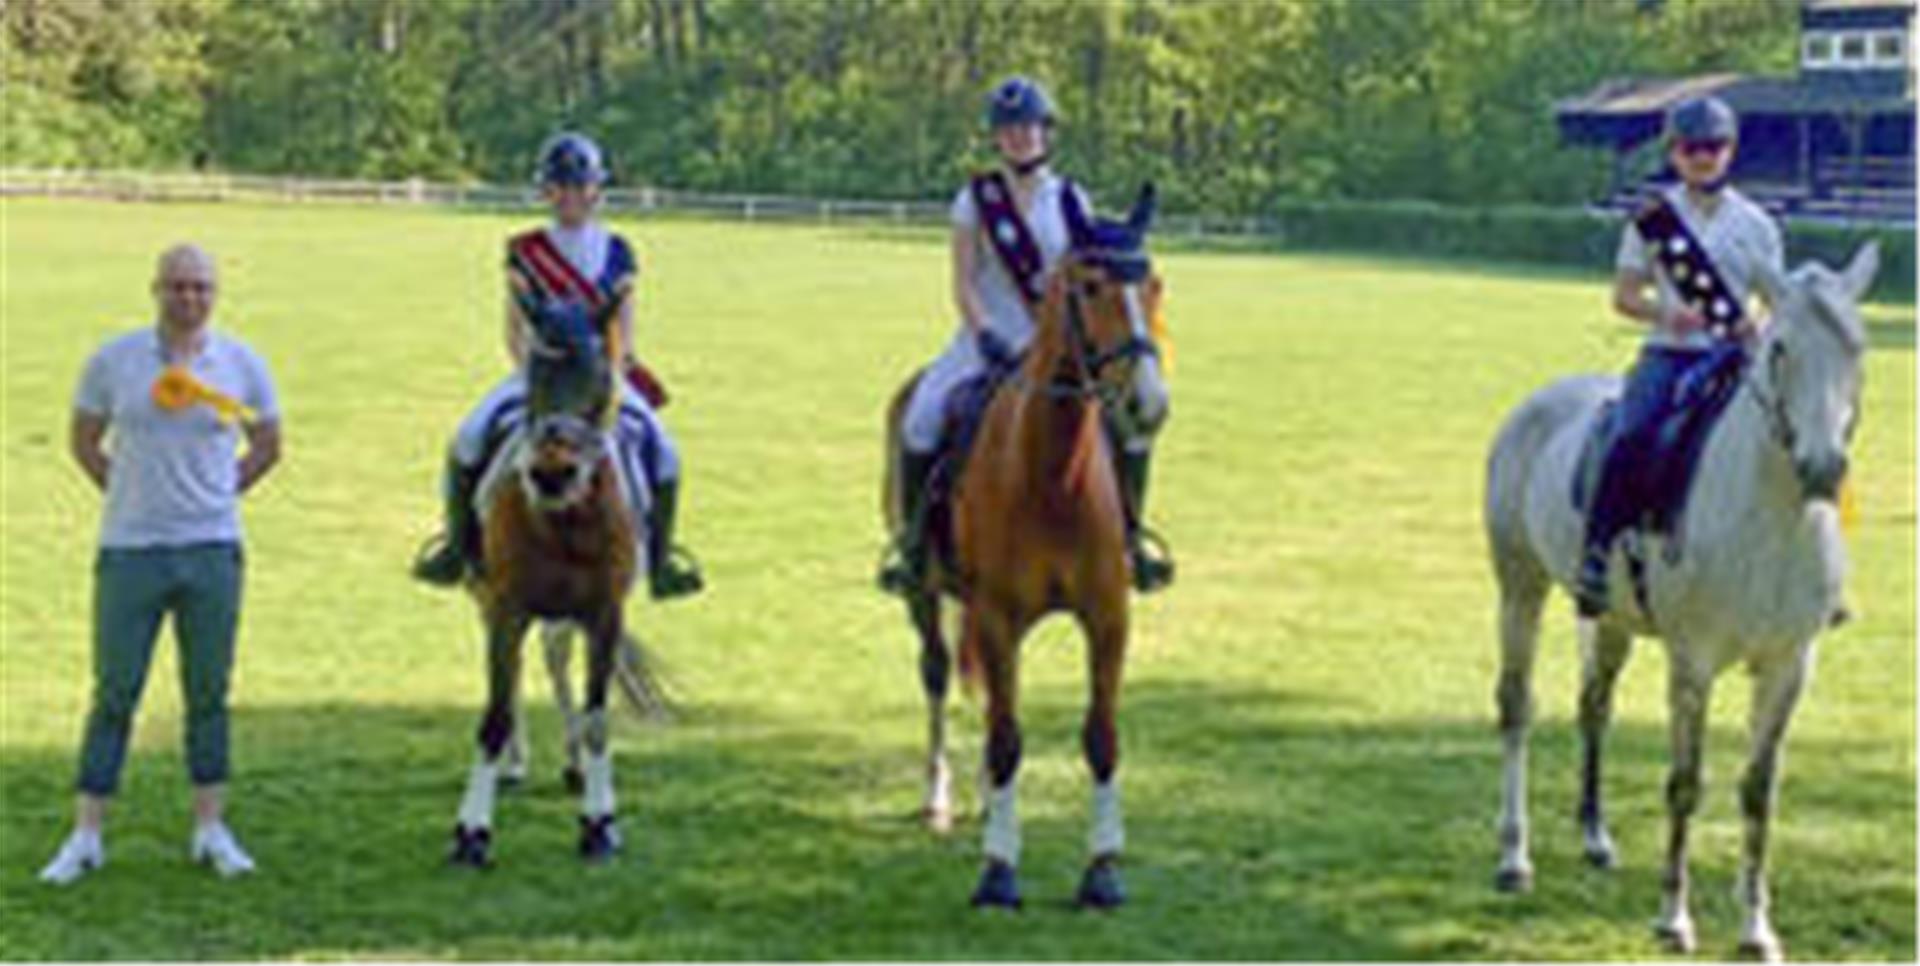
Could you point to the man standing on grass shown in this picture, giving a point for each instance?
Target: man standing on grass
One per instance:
(157, 425)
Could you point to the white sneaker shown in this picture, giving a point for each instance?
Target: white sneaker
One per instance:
(213, 843)
(80, 854)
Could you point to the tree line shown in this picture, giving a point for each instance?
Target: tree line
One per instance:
(1233, 106)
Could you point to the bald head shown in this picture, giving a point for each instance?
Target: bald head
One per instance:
(183, 286)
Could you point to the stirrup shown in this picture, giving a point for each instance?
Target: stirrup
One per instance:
(439, 563)
(897, 574)
(1152, 560)
(678, 575)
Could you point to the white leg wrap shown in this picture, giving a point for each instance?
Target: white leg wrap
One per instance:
(476, 808)
(598, 799)
(1001, 838)
(1108, 835)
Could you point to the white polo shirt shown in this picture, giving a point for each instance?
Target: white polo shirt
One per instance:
(1000, 297)
(1738, 237)
(173, 476)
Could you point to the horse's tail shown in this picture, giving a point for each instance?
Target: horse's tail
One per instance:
(636, 672)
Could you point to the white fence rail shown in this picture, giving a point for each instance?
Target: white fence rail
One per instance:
(182, 187)
(150, 186)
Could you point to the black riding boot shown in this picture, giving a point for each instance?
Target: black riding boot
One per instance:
(446, 559)
(672, 573)
(906, 571)
(1151, 570)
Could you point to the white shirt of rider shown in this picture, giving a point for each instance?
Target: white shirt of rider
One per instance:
(1739, 237)
(585, 247)
(1007, 314)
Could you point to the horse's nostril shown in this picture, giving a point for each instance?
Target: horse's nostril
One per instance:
(549, 481)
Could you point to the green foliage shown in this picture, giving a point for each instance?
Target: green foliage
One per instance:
(1547, 236)
(1234, 107)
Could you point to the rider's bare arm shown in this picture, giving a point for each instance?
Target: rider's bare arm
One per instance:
(1632, 299)
(964, 297)
(516, 322)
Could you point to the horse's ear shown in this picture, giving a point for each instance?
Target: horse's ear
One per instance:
(1141, 217)
(1857, 278)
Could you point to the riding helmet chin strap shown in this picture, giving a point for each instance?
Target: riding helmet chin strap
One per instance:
(1024, 168)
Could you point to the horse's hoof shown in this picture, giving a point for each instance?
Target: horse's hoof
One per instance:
(574, 779)
(472, 847)
(1675, 935)
(938, 820)
(1100, 886)
(998, 888)
(1514, 880)
(1600, 854)
(1761, 946)
(599, 838)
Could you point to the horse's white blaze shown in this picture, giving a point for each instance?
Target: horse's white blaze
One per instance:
(476, 807)
(1001, 838)
(598, 799)
(1108, 835)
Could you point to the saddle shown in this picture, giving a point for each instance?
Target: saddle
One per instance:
(1662, 474)
(966, 410)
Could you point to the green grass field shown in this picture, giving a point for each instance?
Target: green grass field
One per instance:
(1309, 755)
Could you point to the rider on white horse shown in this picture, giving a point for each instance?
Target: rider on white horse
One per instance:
(1705, 305)
(1011, 227)
(575, 259)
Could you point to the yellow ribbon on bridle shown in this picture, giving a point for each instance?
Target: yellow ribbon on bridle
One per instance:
(177, 389)
(1157, 331)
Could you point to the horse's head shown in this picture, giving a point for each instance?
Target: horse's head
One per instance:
(569, 387)
(1103, 296)
(1810, 365)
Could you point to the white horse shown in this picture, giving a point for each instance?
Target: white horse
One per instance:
(1756, 577)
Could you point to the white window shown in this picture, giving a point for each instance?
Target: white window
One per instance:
(1818, 50)
(1889, 48)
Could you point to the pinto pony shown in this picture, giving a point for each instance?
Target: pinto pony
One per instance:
(1038, 527)
(560, 545)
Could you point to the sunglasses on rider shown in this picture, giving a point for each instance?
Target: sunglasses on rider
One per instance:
(1706, 146)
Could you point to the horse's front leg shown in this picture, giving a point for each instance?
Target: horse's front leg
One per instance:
(1776, 690)
(473, 830)
(936, 667)
(599, 838)
(1603, 652)
(1106, 656)
(557, 638)
(994, 640)
(1688, 692)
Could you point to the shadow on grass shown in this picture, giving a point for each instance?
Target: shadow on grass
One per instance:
(1264, 825)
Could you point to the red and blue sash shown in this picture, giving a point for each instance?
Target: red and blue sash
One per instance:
(1697, 280)
(541, 263)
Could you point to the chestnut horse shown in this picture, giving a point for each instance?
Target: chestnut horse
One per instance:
(1038, 527)
(559, 544)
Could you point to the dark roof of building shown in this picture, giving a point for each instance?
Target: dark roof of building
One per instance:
(1631, 97)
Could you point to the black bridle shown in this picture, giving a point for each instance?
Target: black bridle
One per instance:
(1092, 360)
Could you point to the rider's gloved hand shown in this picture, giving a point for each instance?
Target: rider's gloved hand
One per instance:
(994, 349)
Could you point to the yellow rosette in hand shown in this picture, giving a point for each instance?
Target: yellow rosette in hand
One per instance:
(177, 389)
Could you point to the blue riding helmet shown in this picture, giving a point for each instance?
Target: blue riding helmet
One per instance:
(1702, 119)
(569, 158)
(1018, 100)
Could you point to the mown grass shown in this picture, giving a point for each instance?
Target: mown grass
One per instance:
(1309, 762)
